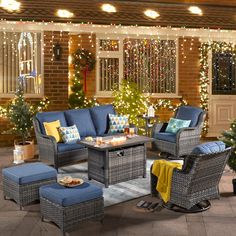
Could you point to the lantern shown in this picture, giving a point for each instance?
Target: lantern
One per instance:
(57, 50)
(18, 156)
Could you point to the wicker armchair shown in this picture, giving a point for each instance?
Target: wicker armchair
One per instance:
(48, 150)
(196, 183)
(186, 139)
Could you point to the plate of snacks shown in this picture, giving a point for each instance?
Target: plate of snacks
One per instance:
(70, 182)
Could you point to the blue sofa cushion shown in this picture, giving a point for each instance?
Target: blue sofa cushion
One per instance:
(100, 118)
(49, 117)
(189, 113)
(210, 147)
(64, 147)
(63, 196)
(82, 119)
(28, 173)
(169, 137)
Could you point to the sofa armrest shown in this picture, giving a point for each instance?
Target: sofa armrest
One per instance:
(47, 145)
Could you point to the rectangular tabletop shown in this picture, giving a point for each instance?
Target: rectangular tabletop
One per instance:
(129, 142)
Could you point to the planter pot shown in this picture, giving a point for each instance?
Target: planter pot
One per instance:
(234, 185)
(27, 149)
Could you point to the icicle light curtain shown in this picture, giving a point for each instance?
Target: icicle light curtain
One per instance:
(151, 64)
(20, 54)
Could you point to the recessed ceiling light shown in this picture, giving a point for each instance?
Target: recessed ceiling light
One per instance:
(108, 8)
(10, 5)
(151, 14)
(64, 13)
(195, 10)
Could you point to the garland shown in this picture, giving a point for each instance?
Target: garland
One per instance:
(219, 47)
(169, 104)
(83, 59)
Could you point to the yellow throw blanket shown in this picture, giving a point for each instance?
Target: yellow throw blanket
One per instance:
(164, 170)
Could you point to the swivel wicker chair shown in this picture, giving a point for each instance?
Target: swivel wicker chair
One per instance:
(198, 180)
(186, 139)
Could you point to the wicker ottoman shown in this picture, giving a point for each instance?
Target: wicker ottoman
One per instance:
(66, 207)
(21, 183)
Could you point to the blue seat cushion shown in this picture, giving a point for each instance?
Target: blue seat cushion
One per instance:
(64, 147)
(63, 196)
(29, 173)
(82, 119)
(169, 137)
(49, 117)
(100, 118)
(210, 147)
(189, 113)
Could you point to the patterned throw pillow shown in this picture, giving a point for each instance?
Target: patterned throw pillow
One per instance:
(69, 134)
(118, 123)
(175, 124)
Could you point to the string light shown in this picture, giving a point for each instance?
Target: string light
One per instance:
(217, 47)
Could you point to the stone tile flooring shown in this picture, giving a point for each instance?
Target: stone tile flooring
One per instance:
(125, 219)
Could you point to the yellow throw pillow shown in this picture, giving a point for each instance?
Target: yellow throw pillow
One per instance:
(51, 129)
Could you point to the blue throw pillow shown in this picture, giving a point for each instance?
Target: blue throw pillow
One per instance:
(175, 124)
(210, 147)
(118, 123)
(69, 134)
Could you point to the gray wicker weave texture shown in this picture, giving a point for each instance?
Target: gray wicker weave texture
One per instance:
(24, 194)
(119, 166)
(67, 218)
(198, 180)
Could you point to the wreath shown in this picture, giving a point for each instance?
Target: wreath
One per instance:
(83, 59)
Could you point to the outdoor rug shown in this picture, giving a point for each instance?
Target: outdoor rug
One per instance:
(116, 193)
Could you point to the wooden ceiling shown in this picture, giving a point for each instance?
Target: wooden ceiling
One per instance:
(216, 14)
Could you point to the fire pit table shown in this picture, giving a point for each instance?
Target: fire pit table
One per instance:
(117, 159)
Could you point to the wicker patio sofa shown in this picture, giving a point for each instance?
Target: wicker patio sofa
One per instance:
(90, 122)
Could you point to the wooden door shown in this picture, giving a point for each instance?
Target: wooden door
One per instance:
(222, 93)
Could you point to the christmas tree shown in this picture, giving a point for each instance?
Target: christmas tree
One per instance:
(229, 138)
(20, 113)
(128, 100)
(76, 98)
(82, 60)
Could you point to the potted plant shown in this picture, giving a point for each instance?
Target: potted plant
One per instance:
(20, 113)
(229, 138)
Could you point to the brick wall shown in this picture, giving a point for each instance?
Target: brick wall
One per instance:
(56, 74)
(55, 80)
(188, 71)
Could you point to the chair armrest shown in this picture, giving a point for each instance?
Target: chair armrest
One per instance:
(159, 127)
(187, 132)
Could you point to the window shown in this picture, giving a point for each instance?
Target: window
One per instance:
(20, 55)
(109, 69)
(150, 63)
(223, 73)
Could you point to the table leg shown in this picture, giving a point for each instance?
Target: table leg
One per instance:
(106, 169)
(89, 178)
(146, 126)
(145, 162)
